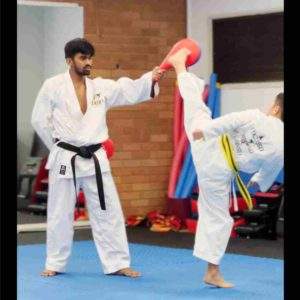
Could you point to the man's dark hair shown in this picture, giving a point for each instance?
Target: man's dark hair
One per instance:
(279, 101)
(78, 45)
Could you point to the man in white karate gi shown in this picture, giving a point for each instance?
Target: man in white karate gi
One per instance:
(70, 117)
(257, 142)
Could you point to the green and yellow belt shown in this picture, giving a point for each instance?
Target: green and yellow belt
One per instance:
(229, 157)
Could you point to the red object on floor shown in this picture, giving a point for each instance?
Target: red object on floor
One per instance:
(191, 225)
(174, 222)
(134, 220)
(162, 223)
(154, 215)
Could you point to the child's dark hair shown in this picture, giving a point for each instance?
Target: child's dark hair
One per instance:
(78, 45)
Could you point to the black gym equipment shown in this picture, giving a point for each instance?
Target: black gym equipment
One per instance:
(261, 222)
(27, 179)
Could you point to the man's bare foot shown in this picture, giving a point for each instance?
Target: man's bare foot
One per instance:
(47, 273)
(179, 58)
(127, 272)
(217, 281)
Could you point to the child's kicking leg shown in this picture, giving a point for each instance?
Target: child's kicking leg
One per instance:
(196, 113)
(215, 222)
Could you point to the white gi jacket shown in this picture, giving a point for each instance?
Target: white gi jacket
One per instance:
(57, 114)
(257, 140)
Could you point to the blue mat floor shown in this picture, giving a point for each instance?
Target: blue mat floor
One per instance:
(168, 273)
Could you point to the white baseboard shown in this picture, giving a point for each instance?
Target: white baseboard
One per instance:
(43, 226)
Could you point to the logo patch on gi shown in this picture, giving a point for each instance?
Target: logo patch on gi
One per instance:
(98, 99)
(62, 170)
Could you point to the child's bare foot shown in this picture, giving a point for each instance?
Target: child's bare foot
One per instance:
(213, 277)
(179, 58)
(48, 273)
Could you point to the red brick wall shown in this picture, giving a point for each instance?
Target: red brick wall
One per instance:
(136, 35)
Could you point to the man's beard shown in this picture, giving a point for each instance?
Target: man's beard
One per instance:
(82, 72)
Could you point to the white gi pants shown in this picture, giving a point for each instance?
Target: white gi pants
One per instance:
(108, 226)
(214, 176)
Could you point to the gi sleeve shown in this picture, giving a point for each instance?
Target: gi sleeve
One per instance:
(268, 171)
(41, 115)
(228, 123)
(126, 91)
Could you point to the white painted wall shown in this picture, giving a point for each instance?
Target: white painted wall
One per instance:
(30, 72)
(200, 13)
(236, 97)
(43, 30)
(60, 26)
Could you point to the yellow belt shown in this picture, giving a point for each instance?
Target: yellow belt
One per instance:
(229, 157)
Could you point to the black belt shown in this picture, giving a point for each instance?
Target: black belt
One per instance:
(86, 152)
